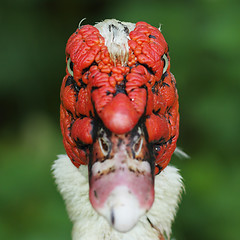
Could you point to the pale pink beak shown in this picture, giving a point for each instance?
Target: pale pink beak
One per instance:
(121, 186)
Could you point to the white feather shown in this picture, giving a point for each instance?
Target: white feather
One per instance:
(72, 183)
(180, 153)
(116, 35)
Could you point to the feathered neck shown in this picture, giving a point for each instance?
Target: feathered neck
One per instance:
(72, 183)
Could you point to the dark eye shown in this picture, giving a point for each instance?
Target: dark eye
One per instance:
(165, 60)
(70, 66)
(104, 143)
(156, 149)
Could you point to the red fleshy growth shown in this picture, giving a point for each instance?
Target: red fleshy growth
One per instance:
(119, 116)
(81, 130)
(118, 95)
(69, 99)
(83, 104)
(157, 126)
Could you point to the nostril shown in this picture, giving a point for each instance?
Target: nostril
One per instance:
(95, 194)
(112, 217)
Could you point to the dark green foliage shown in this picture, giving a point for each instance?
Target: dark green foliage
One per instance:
(204, 40)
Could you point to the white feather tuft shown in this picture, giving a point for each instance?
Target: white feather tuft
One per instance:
(79, 25)
(180, 153)
(72, 183)
(116, 35)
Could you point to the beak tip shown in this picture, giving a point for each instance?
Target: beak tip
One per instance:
(122, 209)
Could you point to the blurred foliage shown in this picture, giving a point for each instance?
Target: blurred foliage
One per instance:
(204, 39)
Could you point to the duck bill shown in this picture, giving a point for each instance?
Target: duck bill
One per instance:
(122, 183)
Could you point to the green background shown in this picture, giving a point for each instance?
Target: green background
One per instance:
(204, 40)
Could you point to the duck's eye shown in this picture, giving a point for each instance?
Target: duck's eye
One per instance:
(165, 65)
(156, 149)
(70, 66)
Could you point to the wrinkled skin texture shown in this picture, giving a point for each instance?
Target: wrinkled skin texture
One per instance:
(101, 89)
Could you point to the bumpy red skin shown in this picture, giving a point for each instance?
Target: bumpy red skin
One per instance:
(102, 89)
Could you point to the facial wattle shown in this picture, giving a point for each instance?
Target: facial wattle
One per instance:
(121, 177)
(119, 114)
